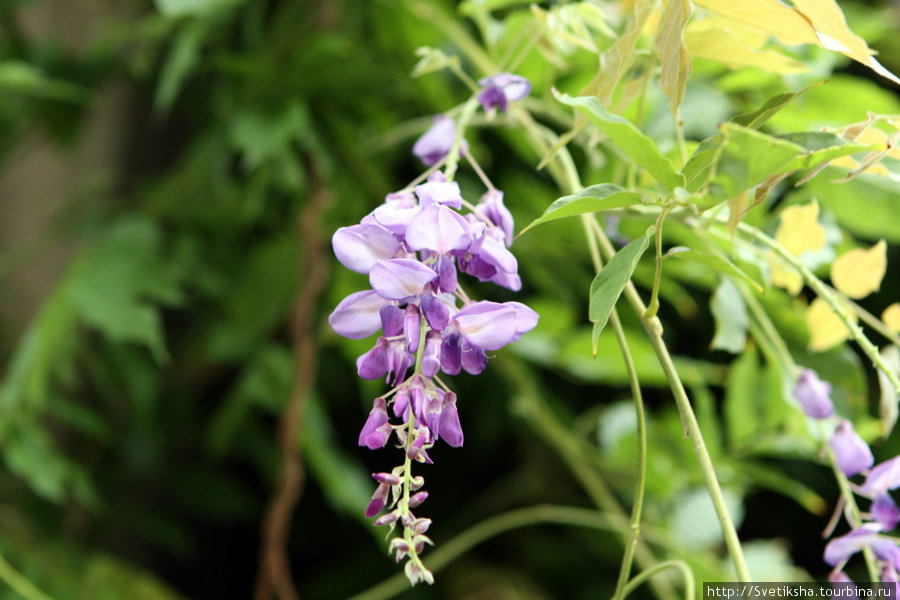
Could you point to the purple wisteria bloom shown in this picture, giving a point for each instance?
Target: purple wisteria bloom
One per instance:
(413, 248)
(840, 549)
(814, 395)
(499, 90)
(437, 141)
(850, 451)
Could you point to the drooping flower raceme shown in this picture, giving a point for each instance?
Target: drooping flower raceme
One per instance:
(413, 248)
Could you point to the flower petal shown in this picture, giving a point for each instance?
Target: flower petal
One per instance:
(360, 246)
(357, 316)
(883, 477)
(400, 278)
(814, 395)
(439, 229)
(851, 452)
(487, 325)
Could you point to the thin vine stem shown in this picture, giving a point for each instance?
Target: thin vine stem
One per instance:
(19, 582)
(680, 565)
(541, 514)
(635, 385)
(653, 328)
(828, 295)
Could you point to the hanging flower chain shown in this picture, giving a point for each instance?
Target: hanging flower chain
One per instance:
(412, 247)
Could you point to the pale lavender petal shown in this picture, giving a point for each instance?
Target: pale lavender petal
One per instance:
(887, 550)
(526, 318)
(885, 511)
(492, 207)
(814, 395)
(513, 88)
(357, 316)
(397, 211)
(451, 431)
(439, 192)
(437, 141)
(842, 548)
(446, 270)
(487, 325)
(360, 246)
(439, 229)
(883, 477)
(850, 451)
(510, 281)
(400, 278)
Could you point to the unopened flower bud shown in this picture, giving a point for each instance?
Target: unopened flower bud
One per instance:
(851, 453)
(814, 395)
(387, 519)
(417, 499)
(388, 478)
(379, 498)
(420, 525)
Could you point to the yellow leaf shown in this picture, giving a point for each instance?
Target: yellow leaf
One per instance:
(891, 316)
(833, 33)
(819, 22)
(826, 329)
(770, 16)
(787, 278)
(748, 36)
(859, 272)
(799, 229)
(724, 47)
(616, 59)
(673, 55)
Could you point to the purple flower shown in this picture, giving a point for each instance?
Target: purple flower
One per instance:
(360, 246)
(358, 315)
(492, 208)
(400, 278)
(884, 510)
(437, 141)
(438, 190)
(396, 212)
(841, 549)
(377, 429)
(450, 428)
(883, 477)
(439, 229)
(814, 395)
(850, 451)
(501, 89)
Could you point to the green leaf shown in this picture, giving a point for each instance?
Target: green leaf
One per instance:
(822, 147)
(182, 60)
(25, 78)
(596, 198)
(611, 280)
(629, 138)
(747, 158)
(713, 261)
(759, 117)
(730, 314)
(114, 285)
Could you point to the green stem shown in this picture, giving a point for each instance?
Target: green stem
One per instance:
(492, 527)
(640, 484)
(653, 327)
(831, 298)
(680, 565)
(653, 307)
(635, 385)
(19, 583)
(465, 116)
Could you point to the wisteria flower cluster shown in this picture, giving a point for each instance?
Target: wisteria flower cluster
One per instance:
(413, 248)
(853, 457)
